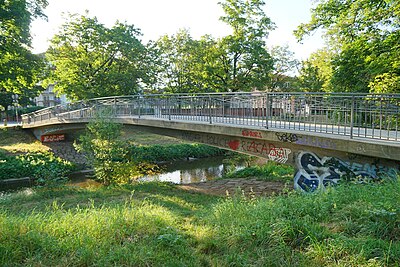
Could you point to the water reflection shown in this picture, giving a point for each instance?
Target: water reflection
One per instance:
(178, 172)
(185, 172)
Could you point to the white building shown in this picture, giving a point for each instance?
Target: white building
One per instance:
(49, 99)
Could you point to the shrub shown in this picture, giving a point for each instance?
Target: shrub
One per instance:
(43, 166)
(158, 153)
(268, 171)
(105, 150)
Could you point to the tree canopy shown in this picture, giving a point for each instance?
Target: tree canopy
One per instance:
(90, 60)
(237, 62)
(285, 66)
(247, 64)
(365, 35)
(184, 62)
(19, 68)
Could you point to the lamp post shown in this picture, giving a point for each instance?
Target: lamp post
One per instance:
(15, 102)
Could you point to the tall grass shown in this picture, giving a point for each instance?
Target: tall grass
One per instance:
(157, 153)
(158, 224)
(270, 171)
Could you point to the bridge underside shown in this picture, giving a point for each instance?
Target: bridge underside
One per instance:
(320, 159)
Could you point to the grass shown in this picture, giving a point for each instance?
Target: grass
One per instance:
(270, 171)
(157, 224)
(134, 137)
(19, 141)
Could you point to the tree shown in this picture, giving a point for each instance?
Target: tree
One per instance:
(285, 66)
(189, 65)
(366, 36)
(237, 62)
(310, 78)
(90, 60)
(24, 99)
(19, 68)
(105, 150)
(178, 59)
(246, 63)
(316, 72)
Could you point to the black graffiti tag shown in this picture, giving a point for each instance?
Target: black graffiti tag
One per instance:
(287, 137)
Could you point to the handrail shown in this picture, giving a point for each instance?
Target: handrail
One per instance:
(355, 115)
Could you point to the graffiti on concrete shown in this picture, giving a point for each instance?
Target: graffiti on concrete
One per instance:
(280, 155)
(255, 147)
(314, 172)
(287, 137)
(249, 133)
(52, 138)
(234, 144)
(316, 142)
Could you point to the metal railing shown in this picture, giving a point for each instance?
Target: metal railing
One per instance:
(369, 116)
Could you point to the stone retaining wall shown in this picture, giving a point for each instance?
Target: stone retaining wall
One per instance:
(66, 150)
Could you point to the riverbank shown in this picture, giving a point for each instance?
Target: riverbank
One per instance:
(25, 157)
(158, 224)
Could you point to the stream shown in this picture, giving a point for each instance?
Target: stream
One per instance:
(178, 172)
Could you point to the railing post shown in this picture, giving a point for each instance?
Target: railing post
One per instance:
(130, 107)
(139, 106)
(209, 109)
(352, 117)
(169, 107)
(115, 107)
(266, 110)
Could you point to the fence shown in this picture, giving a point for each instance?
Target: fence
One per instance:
(355, 115)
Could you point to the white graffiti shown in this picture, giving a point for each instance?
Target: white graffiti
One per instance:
(280, 155)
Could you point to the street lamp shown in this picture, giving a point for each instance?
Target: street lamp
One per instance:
(15, 102)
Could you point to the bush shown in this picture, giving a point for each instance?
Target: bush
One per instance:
(105, 150)
(43, 166)
(159, 153)
(268, 171)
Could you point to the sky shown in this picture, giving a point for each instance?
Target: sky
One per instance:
(156, 18)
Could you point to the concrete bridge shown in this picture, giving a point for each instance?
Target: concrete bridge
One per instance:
(327, 137)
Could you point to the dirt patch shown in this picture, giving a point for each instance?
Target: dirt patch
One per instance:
(250, 187)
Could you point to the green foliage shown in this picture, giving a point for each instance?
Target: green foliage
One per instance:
(159, 153)
(20, 70)
(104, 148)
(310, 79)
(246, 62)
(285, 65)
(90, 60)
(237, 62)
(157, 224)
(365, 37)
(316, 72)
(270, 171)
(43, 166)
(385, 83)
(188, 65)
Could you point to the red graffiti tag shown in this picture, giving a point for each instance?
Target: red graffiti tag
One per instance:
(53, 138)
(234, 144)
(248, 133)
